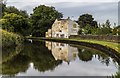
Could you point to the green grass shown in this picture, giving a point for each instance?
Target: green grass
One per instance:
(112, 45)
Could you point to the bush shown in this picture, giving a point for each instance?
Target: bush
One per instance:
(9, 38)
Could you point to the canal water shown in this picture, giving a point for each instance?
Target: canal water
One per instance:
(43, 58)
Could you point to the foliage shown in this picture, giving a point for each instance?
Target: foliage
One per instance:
(42, 19)
(42, 59)
(15, 23)
(116, 30)
(17, 64)
(87, 19)
(87, 24)
(12, 9)
(9, 39)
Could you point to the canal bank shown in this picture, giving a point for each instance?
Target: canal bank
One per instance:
(108, 47)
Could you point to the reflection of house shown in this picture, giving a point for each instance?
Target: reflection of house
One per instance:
(62, 51)
(63, 28)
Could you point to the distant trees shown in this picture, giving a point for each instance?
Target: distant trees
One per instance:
(43, 18)
(104, 29)
(86, 23)
(116, 30)
(85, 20)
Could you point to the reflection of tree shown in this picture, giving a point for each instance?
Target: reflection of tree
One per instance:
(42, 57)
(9, 52)
(85, 55)
(35, 52)
(17, 64)
(104, 59)
(117, 75)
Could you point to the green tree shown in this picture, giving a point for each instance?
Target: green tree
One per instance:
(87, 24)
(15, 23)
(107, 24)
(86, 19)
(2, 8)
(116, 30)
(106, 29)
(12, 9)
(43, 18)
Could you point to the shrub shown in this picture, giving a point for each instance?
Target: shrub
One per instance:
(9, 38)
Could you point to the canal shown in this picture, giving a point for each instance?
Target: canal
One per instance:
(44, 58)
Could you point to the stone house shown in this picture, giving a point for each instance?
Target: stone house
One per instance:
(63, 28)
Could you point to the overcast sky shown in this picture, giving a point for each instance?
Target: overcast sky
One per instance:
(100, 9)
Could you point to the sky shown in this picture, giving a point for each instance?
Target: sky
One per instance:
(100, 9)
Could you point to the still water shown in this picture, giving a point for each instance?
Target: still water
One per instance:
(45, 58)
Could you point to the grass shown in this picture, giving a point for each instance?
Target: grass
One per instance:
(112, 45)
(9, 38)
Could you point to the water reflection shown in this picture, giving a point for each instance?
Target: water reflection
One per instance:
(62, 51)
(57, 59)
(67, 53)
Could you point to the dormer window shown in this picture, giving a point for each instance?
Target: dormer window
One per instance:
(74, 26)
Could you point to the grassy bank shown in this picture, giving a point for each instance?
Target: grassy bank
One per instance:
(9, 38)
(112, 45)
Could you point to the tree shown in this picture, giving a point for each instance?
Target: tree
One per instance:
(107, 24)
(43, 18)
(116, 30)
(15, 23)
(12, 9)
(2, 8)
(106, 29)
(86, 19)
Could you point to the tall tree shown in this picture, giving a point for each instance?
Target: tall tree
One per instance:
(107, 24)
(43, 18)
(86, 19)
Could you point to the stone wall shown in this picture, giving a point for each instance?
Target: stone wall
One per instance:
(98, 37)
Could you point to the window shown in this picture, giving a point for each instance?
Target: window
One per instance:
(57, 35)
(74, 26)
(60, 49)
(62, 44)
(60, 31)
(62, 26)
(62, 35)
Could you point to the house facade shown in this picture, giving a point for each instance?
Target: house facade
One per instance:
(63, 28)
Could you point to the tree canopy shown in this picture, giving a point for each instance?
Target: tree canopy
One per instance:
(85, 20)
(15, 23)
(12, 9)
(43, 18)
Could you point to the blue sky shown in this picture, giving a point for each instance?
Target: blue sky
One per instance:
(101, 10)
